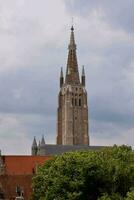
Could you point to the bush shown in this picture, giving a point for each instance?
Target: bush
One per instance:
(86, 175)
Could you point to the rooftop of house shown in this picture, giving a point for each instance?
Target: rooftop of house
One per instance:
(22, 165)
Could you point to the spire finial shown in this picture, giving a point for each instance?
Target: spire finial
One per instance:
(72, 27)
(72, 21)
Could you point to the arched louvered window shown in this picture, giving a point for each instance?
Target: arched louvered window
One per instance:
(75, 102)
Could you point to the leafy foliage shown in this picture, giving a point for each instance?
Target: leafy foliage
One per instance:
(130, 195)
(114, 196)
(106, 174)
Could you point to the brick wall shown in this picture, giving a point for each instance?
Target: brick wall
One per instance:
(19, 172)
(9, 183)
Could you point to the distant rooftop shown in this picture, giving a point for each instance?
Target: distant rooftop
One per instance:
(51, 149)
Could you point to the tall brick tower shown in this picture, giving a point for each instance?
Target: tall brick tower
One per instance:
(72, 114)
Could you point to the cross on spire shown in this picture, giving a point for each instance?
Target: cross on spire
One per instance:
(72, 21)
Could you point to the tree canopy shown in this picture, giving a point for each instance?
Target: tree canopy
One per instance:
(105, 174)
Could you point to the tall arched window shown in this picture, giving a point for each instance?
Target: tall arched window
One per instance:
(75, 102)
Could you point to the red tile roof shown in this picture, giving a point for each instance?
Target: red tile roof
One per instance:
(18, 165)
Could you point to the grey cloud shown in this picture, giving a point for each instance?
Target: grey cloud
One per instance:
(33, 51)
(25, 92)
(118, 13)
(17, 131)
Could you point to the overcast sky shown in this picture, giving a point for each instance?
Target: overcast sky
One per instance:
(34, 36)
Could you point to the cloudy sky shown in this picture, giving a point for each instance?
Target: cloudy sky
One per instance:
(34, 36)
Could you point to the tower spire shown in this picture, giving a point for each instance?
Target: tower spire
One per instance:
(72, 73)
(72, 112)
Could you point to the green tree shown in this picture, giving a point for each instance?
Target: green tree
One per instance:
(86, 175)
(130, 195)
(114, 196)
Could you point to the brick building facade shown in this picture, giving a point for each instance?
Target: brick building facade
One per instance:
(17, 172)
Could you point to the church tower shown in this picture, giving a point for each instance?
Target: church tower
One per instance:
(72, 113)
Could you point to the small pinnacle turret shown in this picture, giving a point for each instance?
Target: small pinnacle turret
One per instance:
(61, 78)
(38, 152)
(83, 71)
(83, 82)
(34, 147)
(42, 144)
(38, 149)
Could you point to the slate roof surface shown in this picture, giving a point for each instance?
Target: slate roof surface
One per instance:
(16, 165)
(51, 149)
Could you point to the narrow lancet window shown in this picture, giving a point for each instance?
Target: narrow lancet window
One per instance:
(75, 102)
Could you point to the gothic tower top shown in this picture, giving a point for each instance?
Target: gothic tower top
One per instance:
(72, 112)
(72, 73)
